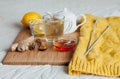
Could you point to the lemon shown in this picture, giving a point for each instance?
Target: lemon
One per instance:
(30, 16)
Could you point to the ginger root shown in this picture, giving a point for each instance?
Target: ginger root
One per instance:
(14, 46)
(23, 45)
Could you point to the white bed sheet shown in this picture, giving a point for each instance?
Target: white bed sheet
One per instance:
(11, 13)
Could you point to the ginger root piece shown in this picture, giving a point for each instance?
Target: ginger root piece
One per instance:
(23, 45)
(14, 46)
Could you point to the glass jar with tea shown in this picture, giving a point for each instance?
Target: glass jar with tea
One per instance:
(53, 27)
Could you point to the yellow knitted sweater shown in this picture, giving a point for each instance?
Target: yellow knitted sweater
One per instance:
(104, 57)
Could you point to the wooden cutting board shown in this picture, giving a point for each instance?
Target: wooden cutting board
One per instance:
(35, 57)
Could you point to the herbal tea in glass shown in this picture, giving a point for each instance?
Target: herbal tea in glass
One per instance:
(53, 28)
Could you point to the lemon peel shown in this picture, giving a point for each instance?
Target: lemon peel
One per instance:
(30, 16)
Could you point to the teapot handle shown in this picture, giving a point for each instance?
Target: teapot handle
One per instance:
(83, 21)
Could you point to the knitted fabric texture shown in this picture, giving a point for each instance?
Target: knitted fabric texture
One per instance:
(104, 57)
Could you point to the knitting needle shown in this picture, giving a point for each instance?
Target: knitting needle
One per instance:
(86, 54)
(95, 22)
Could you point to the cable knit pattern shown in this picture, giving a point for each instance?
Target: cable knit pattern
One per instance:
(104, 58)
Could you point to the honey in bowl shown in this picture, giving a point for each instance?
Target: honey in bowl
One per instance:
(65, 44)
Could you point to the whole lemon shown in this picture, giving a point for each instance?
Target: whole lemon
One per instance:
(30, 16)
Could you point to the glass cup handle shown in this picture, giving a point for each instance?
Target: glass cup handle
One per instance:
(83, 21)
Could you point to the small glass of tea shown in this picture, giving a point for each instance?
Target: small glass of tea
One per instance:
(53, 27)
